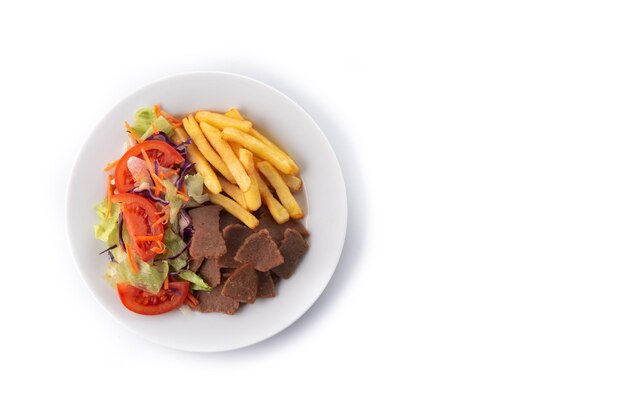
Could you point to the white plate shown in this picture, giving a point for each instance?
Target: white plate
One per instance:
(326, 219)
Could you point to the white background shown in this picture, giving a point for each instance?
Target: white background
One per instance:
(484, 155)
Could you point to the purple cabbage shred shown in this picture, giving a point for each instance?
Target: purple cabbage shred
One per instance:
(149, 194)
(179, 253)
(121, 226)
(183, 171)
(108, 249)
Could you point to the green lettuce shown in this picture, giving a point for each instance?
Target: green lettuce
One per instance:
(197, 283)
(174, 244)
(175, 202)
(143, 123)
(162, 125)
(107, 229)
(194, 185)
(149, 277)
(143, 120)
(112, 273)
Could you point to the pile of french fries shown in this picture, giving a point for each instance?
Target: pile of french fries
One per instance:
(241, 167)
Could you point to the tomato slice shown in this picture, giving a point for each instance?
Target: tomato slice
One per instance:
(142, 302)
(139, 215)
(156, 150)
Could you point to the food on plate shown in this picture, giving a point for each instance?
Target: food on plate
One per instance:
(242, 284)
(235, 209)
(253, 195)
(294, 183)
(211, 155)
(292, 248)
(221, 121)
(278, 159)
(279, 213)
(199, 211)
(234, 235)
(234, 192)
(228, 156)
(284, 195)
(266, 288)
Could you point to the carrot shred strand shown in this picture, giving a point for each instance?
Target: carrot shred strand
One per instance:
(111, 165)
(193, 299)
(166, 284)
(173, 121)
(157, 181)
(161, 219)
(133, 265)
(157, 110)
(109, 194)
(154, 128)
(132, 132)
(149, 238)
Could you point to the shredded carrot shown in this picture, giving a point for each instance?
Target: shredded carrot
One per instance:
(111, 165)
(173, 121)
(132, 132)
(155, 178)
(154, 128)
(157, 110)
(182, 195)
(189, 303)
(161, 219)
(158, 250)
(133, 265)
(193, 299)
(169, 173)
(109, 194)
(163, 211)
(148, 238)
(166, 284)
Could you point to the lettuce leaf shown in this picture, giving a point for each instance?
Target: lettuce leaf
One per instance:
(194, 184)
(149, 278)
(174, 244)
(176, 202)
(197, 283)
(143, 120)
(162, 125)
(143, 123)
(106, 230)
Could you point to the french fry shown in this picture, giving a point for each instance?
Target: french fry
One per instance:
(284, 195)
(294, 183)
(228, 156)
(235, 147)
(234, 113)
(278, 212)
(260, 149)
(203, 168)
(235, 209)
(180, 135)
(255, 133)
(191, 126)
(221, 121)
(234, 192)
(253, 195)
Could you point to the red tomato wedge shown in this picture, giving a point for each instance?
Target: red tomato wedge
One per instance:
(139, 215)
(156, 150)
(142, 302)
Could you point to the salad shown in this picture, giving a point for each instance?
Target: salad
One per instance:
(199, 212)
(143, 218)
